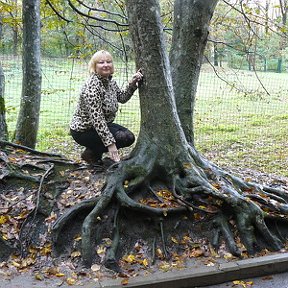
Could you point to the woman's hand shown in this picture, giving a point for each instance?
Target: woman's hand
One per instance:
(113, 152)
(137, 77)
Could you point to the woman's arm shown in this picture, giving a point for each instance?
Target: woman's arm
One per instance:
(124, 95)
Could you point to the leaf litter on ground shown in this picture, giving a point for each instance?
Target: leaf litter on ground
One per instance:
(17, 204)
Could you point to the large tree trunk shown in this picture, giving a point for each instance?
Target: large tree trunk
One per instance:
(28, 118)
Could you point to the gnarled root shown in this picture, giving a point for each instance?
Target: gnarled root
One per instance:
(190, 184)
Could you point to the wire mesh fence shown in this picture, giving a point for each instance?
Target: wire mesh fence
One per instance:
(236, 111)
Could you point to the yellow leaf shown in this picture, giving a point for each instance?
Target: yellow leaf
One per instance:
(166, 194)
(159, 253)
(165, 266)
(22, 215)
(70, 281)
(228, 256)
(196, 252)
(4, 219)
(125, 281)
(27, 262)
(174, 240)
(101, 250)
(216, 185)
(145, 262)
(52, 271)
(4, 237)
(77, 238)
(59, 274)
(16, 264)
(75, 254)
(39, 277)
(47, 249)
(244, 284)
(187, 165)
(129, 258)
(126, 184)
(32, 250)
(197, 216)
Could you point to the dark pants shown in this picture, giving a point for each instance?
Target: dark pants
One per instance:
(91, 140)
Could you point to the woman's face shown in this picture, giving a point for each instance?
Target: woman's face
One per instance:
(104, 66)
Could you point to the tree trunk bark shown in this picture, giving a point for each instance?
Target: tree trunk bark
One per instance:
(156, 92)
(3, 125)
(191, 17)
(28, 118)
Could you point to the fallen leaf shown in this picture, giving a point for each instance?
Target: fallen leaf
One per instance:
(129, 258)
(269, 277)
(174, 240)
(125, 281)
(75, 254)
(39, 277)
(196, 253)
(95, 268)
(70, 281)
(244, 284)
(4, 219)
(145, 262)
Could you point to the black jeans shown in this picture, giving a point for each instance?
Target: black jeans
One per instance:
(90, 138)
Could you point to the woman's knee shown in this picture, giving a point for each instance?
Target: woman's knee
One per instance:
(124, 138)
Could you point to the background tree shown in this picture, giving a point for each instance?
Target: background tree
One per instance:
(283, 4)
(28, 118)
(11, 16)
(3, 125)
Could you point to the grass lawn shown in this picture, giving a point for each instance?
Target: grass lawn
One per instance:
(236, 122)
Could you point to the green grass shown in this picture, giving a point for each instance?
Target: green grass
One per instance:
(243, 127)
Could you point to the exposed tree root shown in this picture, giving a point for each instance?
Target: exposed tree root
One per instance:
(240, 213)
(234, 206)
(39, 176)
(25, 148)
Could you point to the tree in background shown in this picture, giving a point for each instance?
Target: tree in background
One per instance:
(3, 125)
(283, 30)
(10, 14)
(28, 118)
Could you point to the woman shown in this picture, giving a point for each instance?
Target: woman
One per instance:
(92, 123)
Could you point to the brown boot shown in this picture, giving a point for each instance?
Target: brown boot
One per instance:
(90, 157)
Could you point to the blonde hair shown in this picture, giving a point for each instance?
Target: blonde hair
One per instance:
(96, 58)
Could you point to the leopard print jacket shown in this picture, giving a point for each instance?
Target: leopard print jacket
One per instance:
(98, 104)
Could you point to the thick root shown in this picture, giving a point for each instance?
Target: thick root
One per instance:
(233, 206)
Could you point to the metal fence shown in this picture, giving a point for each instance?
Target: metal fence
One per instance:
(233, 107)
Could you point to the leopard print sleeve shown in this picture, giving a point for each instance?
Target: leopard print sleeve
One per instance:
(124, 95)
(94, 108)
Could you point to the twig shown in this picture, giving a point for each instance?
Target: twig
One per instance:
(6, 143)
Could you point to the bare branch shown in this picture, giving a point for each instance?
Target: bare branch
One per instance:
(57, 13)
(101, 10)
(96, 18)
